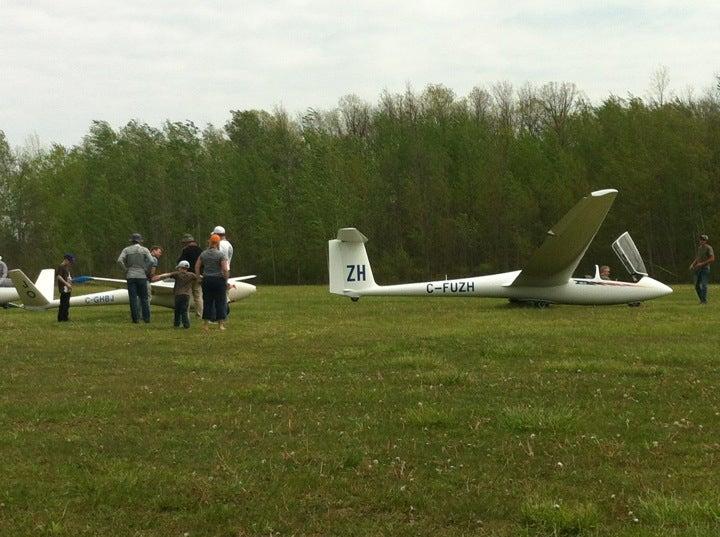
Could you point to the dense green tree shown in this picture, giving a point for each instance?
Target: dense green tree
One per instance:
(443, 185)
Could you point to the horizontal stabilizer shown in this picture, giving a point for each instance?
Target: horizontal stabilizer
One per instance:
(350, 234)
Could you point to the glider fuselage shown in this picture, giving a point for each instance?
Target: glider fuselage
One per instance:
(580, 291)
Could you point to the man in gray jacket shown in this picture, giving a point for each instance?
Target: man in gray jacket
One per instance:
(136, 261)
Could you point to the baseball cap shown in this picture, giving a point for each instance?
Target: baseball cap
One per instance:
(136, 237)
(703, 237)
(69, 257)
(183, 264)
(219, 230)
(187, 238)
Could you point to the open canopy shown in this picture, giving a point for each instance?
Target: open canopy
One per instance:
(631, 259)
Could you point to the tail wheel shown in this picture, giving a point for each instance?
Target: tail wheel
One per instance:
(354, 298)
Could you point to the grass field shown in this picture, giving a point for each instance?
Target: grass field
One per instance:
(312, 415)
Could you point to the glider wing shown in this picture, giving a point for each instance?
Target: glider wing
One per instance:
(558, 257)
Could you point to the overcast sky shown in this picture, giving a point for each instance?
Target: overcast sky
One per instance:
(66, 63)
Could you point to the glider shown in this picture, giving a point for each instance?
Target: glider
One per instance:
(546, 279)
(9, 295)
(39, 295)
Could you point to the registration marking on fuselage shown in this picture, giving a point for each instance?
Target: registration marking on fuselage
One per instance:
(451, 287)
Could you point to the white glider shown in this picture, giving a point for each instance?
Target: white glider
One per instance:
(9, 295)
(546, 278)
(39, 296)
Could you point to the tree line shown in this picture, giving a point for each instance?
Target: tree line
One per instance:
(441, 184)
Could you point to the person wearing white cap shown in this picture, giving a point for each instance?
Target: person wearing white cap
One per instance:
(184, 280)
(225, 246)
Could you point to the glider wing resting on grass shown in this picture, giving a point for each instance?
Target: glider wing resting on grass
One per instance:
(546, 279)
(39, 295)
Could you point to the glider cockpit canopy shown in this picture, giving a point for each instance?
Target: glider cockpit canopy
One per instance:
(629, 255)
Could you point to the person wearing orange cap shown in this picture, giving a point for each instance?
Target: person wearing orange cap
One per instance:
(213, 265)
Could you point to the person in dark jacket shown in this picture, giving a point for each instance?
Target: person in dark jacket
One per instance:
(190, 253)
(64, 281)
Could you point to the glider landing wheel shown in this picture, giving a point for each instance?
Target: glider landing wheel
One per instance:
(354, 298)
(542, 304)
(634, 304)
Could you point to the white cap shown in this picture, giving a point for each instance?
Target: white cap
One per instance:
(219, 230)
(183, 264)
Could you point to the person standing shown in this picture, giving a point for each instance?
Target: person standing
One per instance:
(190, 253)
(225, 246)
(227, 249)
(213, 266)
(136, 261)
(4, 280)
(701, 267)
(183, 284)
(156, 253)
(64, 281)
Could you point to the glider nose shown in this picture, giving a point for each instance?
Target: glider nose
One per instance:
(660, 288)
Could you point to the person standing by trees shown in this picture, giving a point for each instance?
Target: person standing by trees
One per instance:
(190, 253)
(225, 246)
(4, 280)
(136, 261)
(64, 281)
(701, 267)
(156, 253)
(213, 265)
(227, 249)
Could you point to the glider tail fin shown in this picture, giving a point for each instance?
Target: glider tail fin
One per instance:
(34, 296)
(348, 263)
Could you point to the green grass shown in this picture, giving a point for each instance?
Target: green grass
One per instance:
(316, 416)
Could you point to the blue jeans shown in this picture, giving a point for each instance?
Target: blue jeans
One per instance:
(181, 310)
(138, 290)
(702, 277)
(214, 298)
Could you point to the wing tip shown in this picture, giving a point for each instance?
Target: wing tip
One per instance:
(604, 192)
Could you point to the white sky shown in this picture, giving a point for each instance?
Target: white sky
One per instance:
(66, 63)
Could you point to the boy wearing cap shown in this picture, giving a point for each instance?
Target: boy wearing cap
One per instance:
(64, 281)
(184, 280)
(701, 267)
